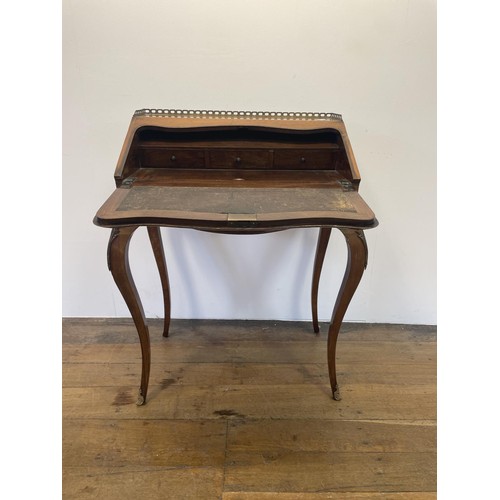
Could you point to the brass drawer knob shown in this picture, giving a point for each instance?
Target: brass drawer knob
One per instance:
(302, 159)
(173, 158)
(238, 159)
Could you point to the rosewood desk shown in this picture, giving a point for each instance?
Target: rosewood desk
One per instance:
(235, 173)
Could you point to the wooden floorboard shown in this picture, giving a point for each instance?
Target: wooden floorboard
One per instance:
(242, 410)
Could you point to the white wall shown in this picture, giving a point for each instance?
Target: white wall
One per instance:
(372, 61)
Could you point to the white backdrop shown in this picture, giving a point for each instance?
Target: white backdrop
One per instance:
(372, 61)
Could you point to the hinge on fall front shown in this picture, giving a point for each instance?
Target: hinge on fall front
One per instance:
(346, 185)
(127, 183)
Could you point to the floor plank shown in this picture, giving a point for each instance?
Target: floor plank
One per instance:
(170, 484)
(203, 351)
(118, 374)
(319, 472)
(286, 436)
(265, 495)
(359, 401)
(143, 443)
(242, 410)
(122, 330)
(294, 455)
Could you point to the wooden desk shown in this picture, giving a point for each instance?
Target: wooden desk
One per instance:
(235, 173)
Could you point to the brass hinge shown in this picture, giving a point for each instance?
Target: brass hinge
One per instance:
(346, 185)
(127, 183)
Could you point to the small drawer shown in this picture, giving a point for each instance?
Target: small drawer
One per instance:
(307, 159)
(229, 158)
(172, 158)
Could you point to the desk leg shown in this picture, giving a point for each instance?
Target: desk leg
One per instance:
(323, 238)
(159, 253)
(356, 264)
(119, 266)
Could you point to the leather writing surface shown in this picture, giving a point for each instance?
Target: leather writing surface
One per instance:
(235, 200)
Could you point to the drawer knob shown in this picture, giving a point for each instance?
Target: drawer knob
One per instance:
(173, 158)
(302, 159)
(238, 159)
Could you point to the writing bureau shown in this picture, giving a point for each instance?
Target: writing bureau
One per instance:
(235, 173)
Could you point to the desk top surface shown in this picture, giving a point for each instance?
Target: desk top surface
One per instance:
(236, 199)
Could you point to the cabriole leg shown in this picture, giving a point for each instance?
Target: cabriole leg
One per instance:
(323, 238)
(118, 264)
(356, 264)
(159, 253)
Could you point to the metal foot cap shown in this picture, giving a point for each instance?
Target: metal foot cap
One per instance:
(336, 394)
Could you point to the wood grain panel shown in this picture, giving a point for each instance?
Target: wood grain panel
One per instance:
(360, 401)
(122, 331)
(114, 483)
(351, 495)
(287, 436)
(172, 158)
(213, 351)
(129, 444)
(118, 374)
(241, 419)
(313, 471)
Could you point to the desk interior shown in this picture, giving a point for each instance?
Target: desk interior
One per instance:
(236, 178)
(229, 195)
